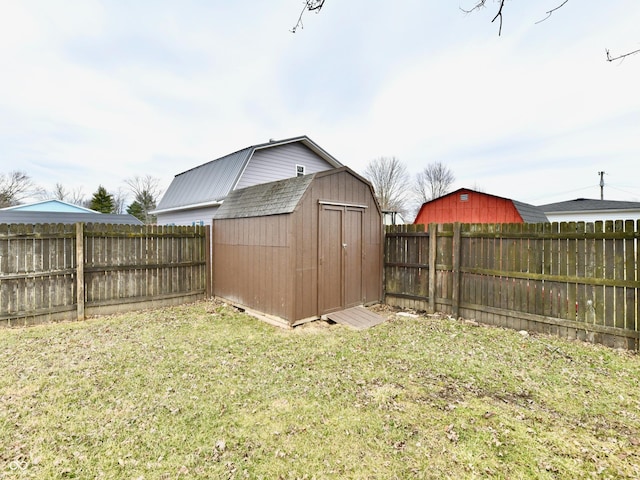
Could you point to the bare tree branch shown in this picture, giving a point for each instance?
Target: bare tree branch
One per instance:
(551, 11)
(14, 187)
(480, 4)
(146, 191)
(119, 199)
(477, 6)
(311, 5)
(390, 179)
(316, 5)
(148, 184)
(76, 197)
(612, 59)
(432, 182)
(499, 14)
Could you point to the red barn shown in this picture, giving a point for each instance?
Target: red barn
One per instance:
(469, 206)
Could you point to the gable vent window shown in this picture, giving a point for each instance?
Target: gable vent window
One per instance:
(299, 170)
(464, 197)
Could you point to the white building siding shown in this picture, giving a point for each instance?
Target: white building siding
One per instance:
(198, 216)
(593, 216)
(270, 164)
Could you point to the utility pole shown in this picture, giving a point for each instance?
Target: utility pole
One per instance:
(601, 185)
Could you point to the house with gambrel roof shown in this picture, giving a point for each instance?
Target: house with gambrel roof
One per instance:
(195, 195)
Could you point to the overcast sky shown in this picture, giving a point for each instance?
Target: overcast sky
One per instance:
(96, 91)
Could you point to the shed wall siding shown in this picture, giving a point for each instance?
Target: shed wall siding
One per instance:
(253, 263)
(272, 164)
(188, 217)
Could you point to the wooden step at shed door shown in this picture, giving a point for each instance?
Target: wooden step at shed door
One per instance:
(356, 317)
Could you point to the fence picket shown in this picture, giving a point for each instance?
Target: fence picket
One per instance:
(576, 280)
(630, 275)
(117, 268)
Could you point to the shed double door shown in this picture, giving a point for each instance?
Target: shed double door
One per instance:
(340, 282)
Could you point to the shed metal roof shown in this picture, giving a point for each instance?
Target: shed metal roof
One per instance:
(589, 205)
(210, 183)
(30, 217)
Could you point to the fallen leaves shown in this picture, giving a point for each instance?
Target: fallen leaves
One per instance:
(452, 435)
(174, 394)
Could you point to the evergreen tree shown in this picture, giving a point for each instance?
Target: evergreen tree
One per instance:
(146, 191)
(141, 206)
(137, 211)
(102, 201)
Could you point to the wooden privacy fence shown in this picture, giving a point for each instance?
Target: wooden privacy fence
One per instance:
(55, 271)
(576, 279)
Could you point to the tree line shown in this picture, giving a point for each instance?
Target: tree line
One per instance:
(397, 191)
(17, 186)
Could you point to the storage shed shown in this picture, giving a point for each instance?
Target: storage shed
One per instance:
(296, 249)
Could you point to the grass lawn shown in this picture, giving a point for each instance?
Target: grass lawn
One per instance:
(203, 391)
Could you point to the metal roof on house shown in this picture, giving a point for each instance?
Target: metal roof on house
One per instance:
(588, 205)
(210, 183)
(52, 205)
(31, 217)
(273, 198)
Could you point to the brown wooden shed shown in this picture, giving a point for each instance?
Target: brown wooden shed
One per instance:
(297, 249)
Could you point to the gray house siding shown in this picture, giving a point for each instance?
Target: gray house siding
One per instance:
(271, 164)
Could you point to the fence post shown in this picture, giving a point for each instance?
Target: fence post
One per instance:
(212, 252)
(80, 270)
(456, 250)
(433, 228)
(208, 260)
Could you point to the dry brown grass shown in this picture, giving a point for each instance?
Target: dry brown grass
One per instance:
(202, 391)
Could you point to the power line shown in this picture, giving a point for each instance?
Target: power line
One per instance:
(636, 194)
(563, 193)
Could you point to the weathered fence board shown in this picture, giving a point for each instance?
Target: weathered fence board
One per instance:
(572, 279)
(53, 271)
